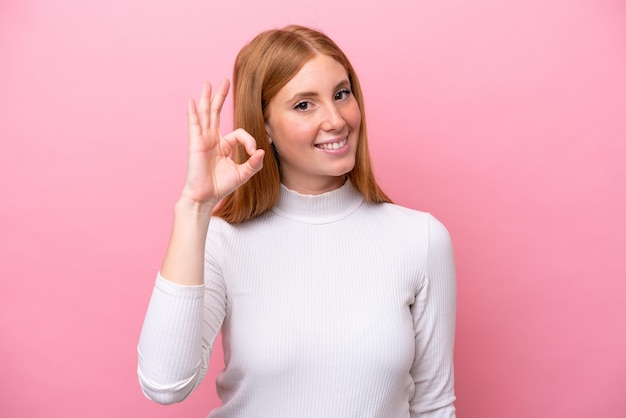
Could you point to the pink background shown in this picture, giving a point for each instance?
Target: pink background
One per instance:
(507, 121)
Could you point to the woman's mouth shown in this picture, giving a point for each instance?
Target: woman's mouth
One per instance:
(333, 145)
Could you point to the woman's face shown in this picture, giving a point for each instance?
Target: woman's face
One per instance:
(314, 123)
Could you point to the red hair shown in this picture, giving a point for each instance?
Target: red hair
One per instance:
(261, 69)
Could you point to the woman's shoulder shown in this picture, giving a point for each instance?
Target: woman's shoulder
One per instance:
(219, 226)
(395, 211)
(410, 218)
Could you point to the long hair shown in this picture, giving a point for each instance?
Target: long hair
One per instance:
(261, 69)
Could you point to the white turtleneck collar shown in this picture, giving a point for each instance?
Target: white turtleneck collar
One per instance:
(318, 209)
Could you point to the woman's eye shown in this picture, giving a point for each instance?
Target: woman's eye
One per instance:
(302, 106)
(342, 94)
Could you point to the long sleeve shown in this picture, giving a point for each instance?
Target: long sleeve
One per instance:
(434, 313)
(177, 337)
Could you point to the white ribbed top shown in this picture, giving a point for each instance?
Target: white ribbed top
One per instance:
(328, 306)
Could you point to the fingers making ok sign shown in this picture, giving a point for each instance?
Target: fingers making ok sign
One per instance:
(211, 172)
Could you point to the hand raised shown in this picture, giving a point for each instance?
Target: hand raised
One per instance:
(211, 172)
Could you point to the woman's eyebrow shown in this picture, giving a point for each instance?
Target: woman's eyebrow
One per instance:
(302, 94)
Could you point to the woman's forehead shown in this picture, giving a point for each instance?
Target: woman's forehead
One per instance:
(317, 75)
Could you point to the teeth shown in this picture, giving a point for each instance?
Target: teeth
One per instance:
(334, 145)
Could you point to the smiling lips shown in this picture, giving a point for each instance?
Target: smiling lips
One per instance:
(333, 145)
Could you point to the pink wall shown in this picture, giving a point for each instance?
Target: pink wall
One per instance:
(508, 122)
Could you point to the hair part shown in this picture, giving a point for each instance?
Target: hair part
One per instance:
(262, 68)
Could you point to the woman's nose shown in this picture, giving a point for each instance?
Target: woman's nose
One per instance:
(333, 120)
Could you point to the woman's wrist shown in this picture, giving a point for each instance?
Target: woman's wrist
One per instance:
(196, 210)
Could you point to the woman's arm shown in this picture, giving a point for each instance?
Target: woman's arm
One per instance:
(184, 314)
(434, 314)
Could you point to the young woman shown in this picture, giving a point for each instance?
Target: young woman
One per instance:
(332, 301)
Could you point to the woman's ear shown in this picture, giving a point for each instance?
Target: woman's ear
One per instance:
(268, 132)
